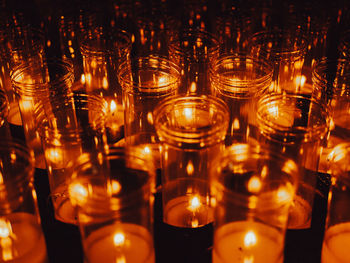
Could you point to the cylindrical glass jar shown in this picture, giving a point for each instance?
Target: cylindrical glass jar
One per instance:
(240, 80)
(103, 51)
(37, 83)
(193, 50)
(297, 126)
(331, 84)
(22, 239)
(64, 144)
(191, 130)
(115, 225)
(286, 50)
(145, 82)
(18, 45)
(253, 188)
(338, 216)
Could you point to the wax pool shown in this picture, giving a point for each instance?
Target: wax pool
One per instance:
(336, 244)
(120, 243)
(181, 213)
(247, 242)
(22, 240)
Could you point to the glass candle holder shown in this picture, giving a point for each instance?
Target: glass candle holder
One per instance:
(64, 144)
(297, 126)
(336, 237)
(103, 51)
(115, 224)
(22, 239)
(145, 82)
(18, 45)
(193, 50)
(286, 50)
(331, 84)
(253, 188)
(36, 83)
(240, 80)
(191, 130)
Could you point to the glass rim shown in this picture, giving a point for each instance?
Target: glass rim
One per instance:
(169, 67)
(226, 84)
(191, 136)
(315, 132)
(28, 88)
(116, 34)
(278, 53)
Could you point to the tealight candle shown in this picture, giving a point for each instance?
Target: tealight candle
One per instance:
(188, 211)
(247, 242)
(120, 243)
(21, 239)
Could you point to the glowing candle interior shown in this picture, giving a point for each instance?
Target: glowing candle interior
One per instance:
(120, 243)
(247, 242)
(21, 239)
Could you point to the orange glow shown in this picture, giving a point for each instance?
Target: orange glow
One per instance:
(78, 193)
(236, 125)
(250, 239)
(194, 203)
(6, 240)
(119, 239)
(113, 106)
(147, 150)
(254, 184)
(116, 187)
(189, 168)
(283, 195)
(300, 80)
(195, 222)
(193, 87)
(82, 79)
(188, 113)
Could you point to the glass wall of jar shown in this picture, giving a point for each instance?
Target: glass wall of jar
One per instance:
(193, 50)
(115, 222)
(297, 126)
(22, 238)
(253, 189)
(36, 83)
(103, 51)
(146, 82)
(191, 130)
(240, 80)
(286, 50)
(336, 237)
(65, 143)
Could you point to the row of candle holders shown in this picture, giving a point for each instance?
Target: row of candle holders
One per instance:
(248, 142)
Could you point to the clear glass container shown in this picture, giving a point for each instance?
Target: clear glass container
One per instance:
(191, 130)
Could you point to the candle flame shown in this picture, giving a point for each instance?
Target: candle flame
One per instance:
(194, 223)
(147, 150)
(194, 203)
(254, 184)
(116, 187)
(105, 83)
(283, 195)
(5, 228)
(82, 79)
(6, 240)
(188, 113)
(119, 239)
(250, 239)
(78, 193)
(189, 168)
(193, 87)
(236, 125)
(113, 106)
(249, 259)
